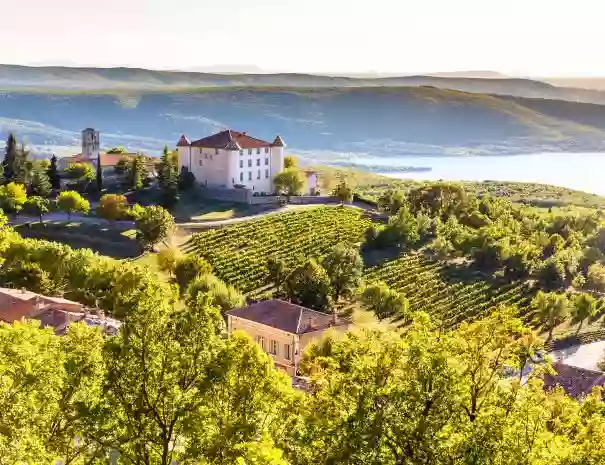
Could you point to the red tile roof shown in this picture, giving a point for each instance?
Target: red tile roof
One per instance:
(577, 382)
(286, 316)
(230, 139)
(107, 159)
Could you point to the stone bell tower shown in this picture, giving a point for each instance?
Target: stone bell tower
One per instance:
(90, 144)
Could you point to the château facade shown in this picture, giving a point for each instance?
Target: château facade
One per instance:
(231, 159)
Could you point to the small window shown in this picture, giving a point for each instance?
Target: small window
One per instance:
(250, 176)
(249, 151)
(266, 173)
(249, 163)
(274, 348)
(241, 163)
(257, 150)
(241, 176)
(288, 352)
(201, 163)
(241, 152)
(266, 162)
(261, 342)
(206, 156)
(266, 149)
(216, 151)
(258, 175)
(258, 162)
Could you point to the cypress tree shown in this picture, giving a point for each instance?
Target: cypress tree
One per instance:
(99, 174)
(53, 173)
(10, 158)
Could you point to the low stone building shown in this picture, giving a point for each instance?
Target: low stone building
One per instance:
(55, 312)
(283, 329)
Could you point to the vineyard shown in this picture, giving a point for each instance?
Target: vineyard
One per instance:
(238, 254)
(424, 284)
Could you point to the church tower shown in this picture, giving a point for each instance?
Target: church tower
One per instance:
(90, 144)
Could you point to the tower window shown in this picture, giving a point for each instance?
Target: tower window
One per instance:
(249, 163)
(258, 162)
(249, 175)
(241, 163)
(258, 175)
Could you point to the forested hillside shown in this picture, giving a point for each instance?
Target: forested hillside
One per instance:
(320, 123)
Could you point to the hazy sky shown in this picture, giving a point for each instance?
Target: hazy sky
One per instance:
(523, 37)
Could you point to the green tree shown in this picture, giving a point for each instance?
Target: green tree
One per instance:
(344, 267)
(40, 184)
(309, 286)
(188, 268)
(391, 201)
(154, 225)
(197, 396)
(584, 306)
(113, 206)
(36, 205)
(595, 277)
(63, 375)
(551, 308)
(12, 197)
(186, 179)
(29, 276)
(72, 202)
(220, 295)
(136, 173)
(168, 258)
(343, 192)
(278, 271)
(82, 173)
(290, 162)
(11, 158)
(385, 302)
(169, 180)
(99, 173)
(289, 182)
(53, 174)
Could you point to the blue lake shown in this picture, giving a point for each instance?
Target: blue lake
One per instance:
(582, 171)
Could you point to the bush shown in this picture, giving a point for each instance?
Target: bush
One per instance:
(72, 202)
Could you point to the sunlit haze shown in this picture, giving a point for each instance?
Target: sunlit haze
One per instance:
(517, 37)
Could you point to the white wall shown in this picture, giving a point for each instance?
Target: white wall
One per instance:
(259, 162)
(225, 168)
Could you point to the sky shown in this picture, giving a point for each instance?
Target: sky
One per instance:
(515, 37)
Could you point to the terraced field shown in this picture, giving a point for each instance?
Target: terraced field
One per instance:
(238, 254)
(430, 287)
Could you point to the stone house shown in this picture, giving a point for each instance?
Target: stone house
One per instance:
(283, 329)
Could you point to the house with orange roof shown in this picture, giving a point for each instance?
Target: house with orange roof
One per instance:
(91, 154)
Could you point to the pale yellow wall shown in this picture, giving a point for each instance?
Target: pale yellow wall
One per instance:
(270, 334)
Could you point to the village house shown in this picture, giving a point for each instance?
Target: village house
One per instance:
(55, 312)
(283, 329)
(91, 153)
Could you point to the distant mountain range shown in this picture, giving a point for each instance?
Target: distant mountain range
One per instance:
(321, 117)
